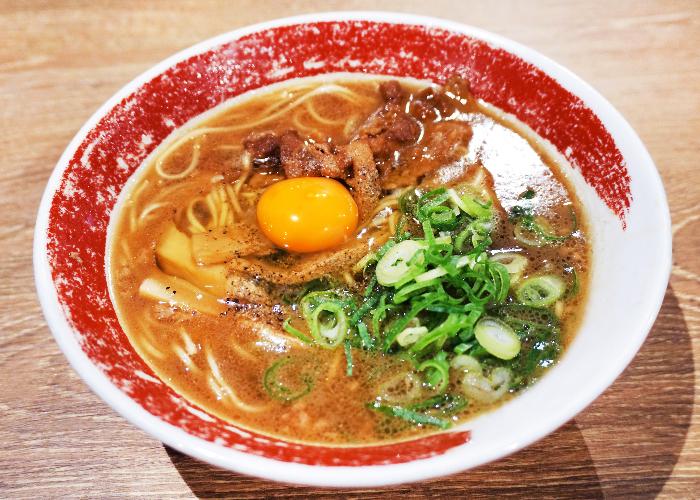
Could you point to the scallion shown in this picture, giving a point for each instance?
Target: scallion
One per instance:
(277, 389)
(399, 263)
(348, 359)
(328, 324)
(497, 337)
(437, 371)
(536, 232)
(410, 335)
(414, 417)
(487, 389)
(513, 262)
(540, 291)
(293, 331)
(447, 404)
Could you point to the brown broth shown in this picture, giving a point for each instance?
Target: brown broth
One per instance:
(181, 346)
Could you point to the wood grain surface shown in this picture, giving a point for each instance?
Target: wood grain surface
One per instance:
(60, 60)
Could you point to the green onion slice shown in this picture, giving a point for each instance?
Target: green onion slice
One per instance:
(575, 286)
(364, 262)
(438, 368)
(448, 328)
(497, 337)
(407, 291)
(279, 389)
(414, 417)
(312, 299)
(401, 388)
(540, 291)
(348, 359)
(470, 205)
(513, 262)
(410, 335)
(459, 262)
(293, 331)
(536, 232)
(365, 338)
(447, 404)
(487, 389)
(328, 324)
(464, 362)
(397, 265)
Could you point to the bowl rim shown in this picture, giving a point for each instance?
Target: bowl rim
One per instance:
(344, 476)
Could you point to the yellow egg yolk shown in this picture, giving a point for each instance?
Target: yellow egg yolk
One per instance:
(307, 214)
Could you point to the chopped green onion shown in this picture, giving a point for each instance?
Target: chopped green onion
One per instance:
(438, 377)
(456, 200)
(431, 275)
(497, 337)
(448, 328)
(401, 388)
(476, 209)
(443, 240)
(370, 287)
(500, 279)
(364, 262)
(470, 205)
(385, 248)
(442, 217)
(528, 194)
(465, 363)
(478, 232)
(525, 236)
(536, 232)
(447, 404)
(513, 262)
(324, 312)
(462, 237)
(414, 417)
(365, 338)
(411, 335)
(428, 233)
(540, 291)
(379, 314)
(487, 389)
(397, 264)
(574, 288)
(293, 331)
(348, 359)
(402, 322)
(439, 271)
(328, 324)
(406, 291)
(461, 348)
(312, 299)
(366, 307)
(277, 389)
(430, 202)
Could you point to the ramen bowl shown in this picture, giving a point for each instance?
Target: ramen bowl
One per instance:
(606, 163)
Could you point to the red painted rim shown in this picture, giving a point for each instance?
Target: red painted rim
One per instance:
(118, 144)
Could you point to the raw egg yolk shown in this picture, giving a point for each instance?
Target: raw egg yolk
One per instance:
(307, 214)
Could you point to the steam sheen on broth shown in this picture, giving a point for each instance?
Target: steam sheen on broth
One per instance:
(350, 261)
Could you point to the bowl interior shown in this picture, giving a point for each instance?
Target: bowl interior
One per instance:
(609, 169)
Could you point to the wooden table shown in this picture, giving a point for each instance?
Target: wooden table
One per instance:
(60, 60)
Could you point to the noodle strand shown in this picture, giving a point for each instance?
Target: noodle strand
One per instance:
(180, 175)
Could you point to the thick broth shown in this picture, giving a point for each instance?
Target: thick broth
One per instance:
(218, 362)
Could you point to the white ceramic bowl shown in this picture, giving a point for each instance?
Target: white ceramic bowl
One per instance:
(611, 172)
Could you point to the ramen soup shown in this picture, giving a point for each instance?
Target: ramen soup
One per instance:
(348, 261)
